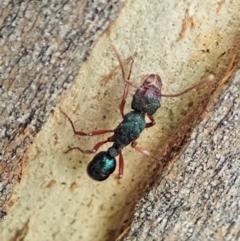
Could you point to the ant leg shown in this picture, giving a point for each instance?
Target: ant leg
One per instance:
(80, 133)
(152, 123)
(92, 151)
(121, 165)
(145, 152)
(125, 92)
(141, 150)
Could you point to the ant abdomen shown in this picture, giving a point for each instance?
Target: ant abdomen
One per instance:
(101, 166)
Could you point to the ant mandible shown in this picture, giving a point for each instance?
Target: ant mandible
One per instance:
(146, 100)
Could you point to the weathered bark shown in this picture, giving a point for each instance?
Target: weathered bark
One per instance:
(42, 45)
(197, 197)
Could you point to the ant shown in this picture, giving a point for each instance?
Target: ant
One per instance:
(146, 100)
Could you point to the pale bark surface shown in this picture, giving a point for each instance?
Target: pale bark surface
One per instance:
(197, 197)
(42, 45)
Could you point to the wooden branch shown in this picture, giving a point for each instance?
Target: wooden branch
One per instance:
(183, 42)
(197, 197)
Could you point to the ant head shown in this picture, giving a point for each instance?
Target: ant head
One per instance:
(153, 80)
(148, 96)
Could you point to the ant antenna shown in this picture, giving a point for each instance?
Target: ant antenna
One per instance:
(207, 79)
(122, 69)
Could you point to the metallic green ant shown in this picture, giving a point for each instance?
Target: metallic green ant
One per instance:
(145, 102)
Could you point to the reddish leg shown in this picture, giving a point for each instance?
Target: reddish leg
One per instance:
(152, 123)
(121, 165)
(127, 81)
(92, 151)
(125, 92)
(80, 133)
(142, 151)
